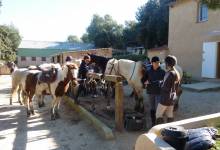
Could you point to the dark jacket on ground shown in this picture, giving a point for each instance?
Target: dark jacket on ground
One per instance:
(168, 88)
(154, 77)
(83, 69)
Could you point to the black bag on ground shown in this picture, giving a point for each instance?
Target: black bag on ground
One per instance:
(134, 121)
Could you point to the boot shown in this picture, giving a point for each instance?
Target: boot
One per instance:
(169, 120)
(159, 121)
(153, 117)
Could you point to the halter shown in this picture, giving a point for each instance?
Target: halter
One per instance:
(113, 67)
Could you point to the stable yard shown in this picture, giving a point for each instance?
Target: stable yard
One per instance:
(18, 132)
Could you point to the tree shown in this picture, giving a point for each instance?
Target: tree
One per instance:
(212, 4)
(73, 38)
(85, 38)
(9, 42)
(105, 32)
(130, 33)
(152, 26)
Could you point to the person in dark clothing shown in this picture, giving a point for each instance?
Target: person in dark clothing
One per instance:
(168, 91)
(82, 75)
(84, 68)
(153, 78)
(69, 58)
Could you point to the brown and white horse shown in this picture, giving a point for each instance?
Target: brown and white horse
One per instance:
(32, 85)
(132, 72)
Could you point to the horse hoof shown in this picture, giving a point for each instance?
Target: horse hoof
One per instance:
(53, 117)
(28, 114)
(57, 115)
(32, 112)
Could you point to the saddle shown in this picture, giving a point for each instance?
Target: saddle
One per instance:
(48, 75)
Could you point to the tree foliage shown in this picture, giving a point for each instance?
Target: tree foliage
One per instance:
(9, 42)
(152, 25)
(212, 4)
(130, 33)
(85, 38)
(73, 38)
(105, 32)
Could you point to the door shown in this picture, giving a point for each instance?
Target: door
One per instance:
(209, 62)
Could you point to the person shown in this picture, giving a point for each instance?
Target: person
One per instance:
(168, 91)
(82, 75)
(69, 58)
(84, 67)
(153, 78)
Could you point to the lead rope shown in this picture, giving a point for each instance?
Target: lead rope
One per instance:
(133, 70)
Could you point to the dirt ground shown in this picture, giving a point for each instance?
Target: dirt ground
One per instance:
(18, 132)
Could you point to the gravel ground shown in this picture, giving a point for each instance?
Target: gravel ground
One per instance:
(18, 132)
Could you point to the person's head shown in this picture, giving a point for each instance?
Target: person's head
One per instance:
(155, 61)
(86, 58)
(69, 58)
(170, 61)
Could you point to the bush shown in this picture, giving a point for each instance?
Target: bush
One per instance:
(132, 57)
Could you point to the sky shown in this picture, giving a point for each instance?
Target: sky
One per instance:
(54, 20)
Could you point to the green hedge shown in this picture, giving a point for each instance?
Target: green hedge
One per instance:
(132, 57)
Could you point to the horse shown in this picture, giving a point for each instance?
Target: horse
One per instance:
(16, 75)
(33, 85)
(132, 72)
(100, 61)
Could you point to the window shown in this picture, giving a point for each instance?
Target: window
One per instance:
(203, 13)
(43, 58)
(33, 58)
(23, 58)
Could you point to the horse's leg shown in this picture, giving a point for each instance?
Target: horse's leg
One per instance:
(40, 100)
(19, 94)
(13, 91)
(57, 107)
(54, 101)
(28, 106)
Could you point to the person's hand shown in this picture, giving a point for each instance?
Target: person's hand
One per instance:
(146, 82)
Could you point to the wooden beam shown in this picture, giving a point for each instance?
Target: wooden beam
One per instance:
(113, 78)
(95, 75)
(119, 106)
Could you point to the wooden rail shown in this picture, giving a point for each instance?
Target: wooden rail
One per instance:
(119, 101)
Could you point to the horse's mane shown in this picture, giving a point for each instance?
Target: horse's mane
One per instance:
(101, 61)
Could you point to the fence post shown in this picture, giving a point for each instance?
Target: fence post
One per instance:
(119, 106)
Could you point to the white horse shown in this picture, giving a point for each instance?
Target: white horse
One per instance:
(132, 72)
(16, 76)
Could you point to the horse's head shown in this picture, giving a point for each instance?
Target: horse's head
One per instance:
(72, 71)
(111, 67)
(11, 65)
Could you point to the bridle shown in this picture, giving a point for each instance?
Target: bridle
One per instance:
(113, 67)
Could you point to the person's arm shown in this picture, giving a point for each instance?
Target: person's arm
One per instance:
(168, 82)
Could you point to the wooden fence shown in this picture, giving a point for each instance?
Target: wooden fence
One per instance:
(119, 95)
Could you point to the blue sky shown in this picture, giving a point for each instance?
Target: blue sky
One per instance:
(54, 20)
